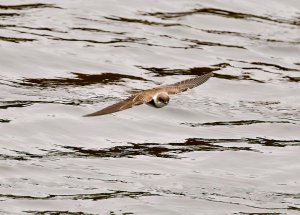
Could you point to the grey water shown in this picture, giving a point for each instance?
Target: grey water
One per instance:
(229, 146)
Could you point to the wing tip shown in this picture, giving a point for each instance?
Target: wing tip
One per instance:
(211, 73)
(87, 115)
(93, 114)
(207, 76)
(204, 77)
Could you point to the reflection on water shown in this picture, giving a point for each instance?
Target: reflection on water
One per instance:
(241, 122)
(4, 120)
(79, 80)
(142, 21)
(169, 150)
(16, 40)
(26, 6)
(219, 12)
(230, 146)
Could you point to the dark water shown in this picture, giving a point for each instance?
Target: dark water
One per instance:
(230, 146)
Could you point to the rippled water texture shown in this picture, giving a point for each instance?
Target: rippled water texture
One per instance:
(230, 146)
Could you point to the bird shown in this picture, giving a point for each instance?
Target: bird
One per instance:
(157, 97)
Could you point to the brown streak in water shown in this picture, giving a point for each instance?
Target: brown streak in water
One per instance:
(61, 212)
(274, 65)
(232, 123)
(98, 30)
(293, 207)
(32, 28)
(245, 35)
(18, 104)
(141, 21)
(16, 40)
(73, 102)
(164, 46)
(121, 151)
(79, 80)
(90, 196)
(191, 71)
(170, 150)
(234, 77)
(27, 6)
(199, 71)
(41, 35)
(293, 79)
(281, 68)
(9, 14)
(205, 43)
(218, 12)
(116, 40)
(258, 68)
(4, 120)
(258, 140)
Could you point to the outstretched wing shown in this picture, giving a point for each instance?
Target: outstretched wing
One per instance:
(187, 84)
(134, 100)
(147, 95)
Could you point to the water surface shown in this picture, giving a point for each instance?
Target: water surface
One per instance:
(230, 146)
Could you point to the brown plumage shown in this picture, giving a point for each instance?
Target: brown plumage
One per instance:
(156, 97)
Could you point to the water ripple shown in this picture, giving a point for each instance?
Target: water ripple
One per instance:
(231, 145)
(232, 123)
(16, 39)
(219, 12)
(169, 150)
(90, 196)
(27, 6)
(53, 212)
(116, 40)
(4, 120)
(97, 30)
(141, 21)
(191, 71)
(8, 14)
(197, 44)
(80, 79)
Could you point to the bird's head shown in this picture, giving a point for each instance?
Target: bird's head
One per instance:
(161, 99)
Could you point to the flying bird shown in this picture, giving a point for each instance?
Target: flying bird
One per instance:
(156, 97)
